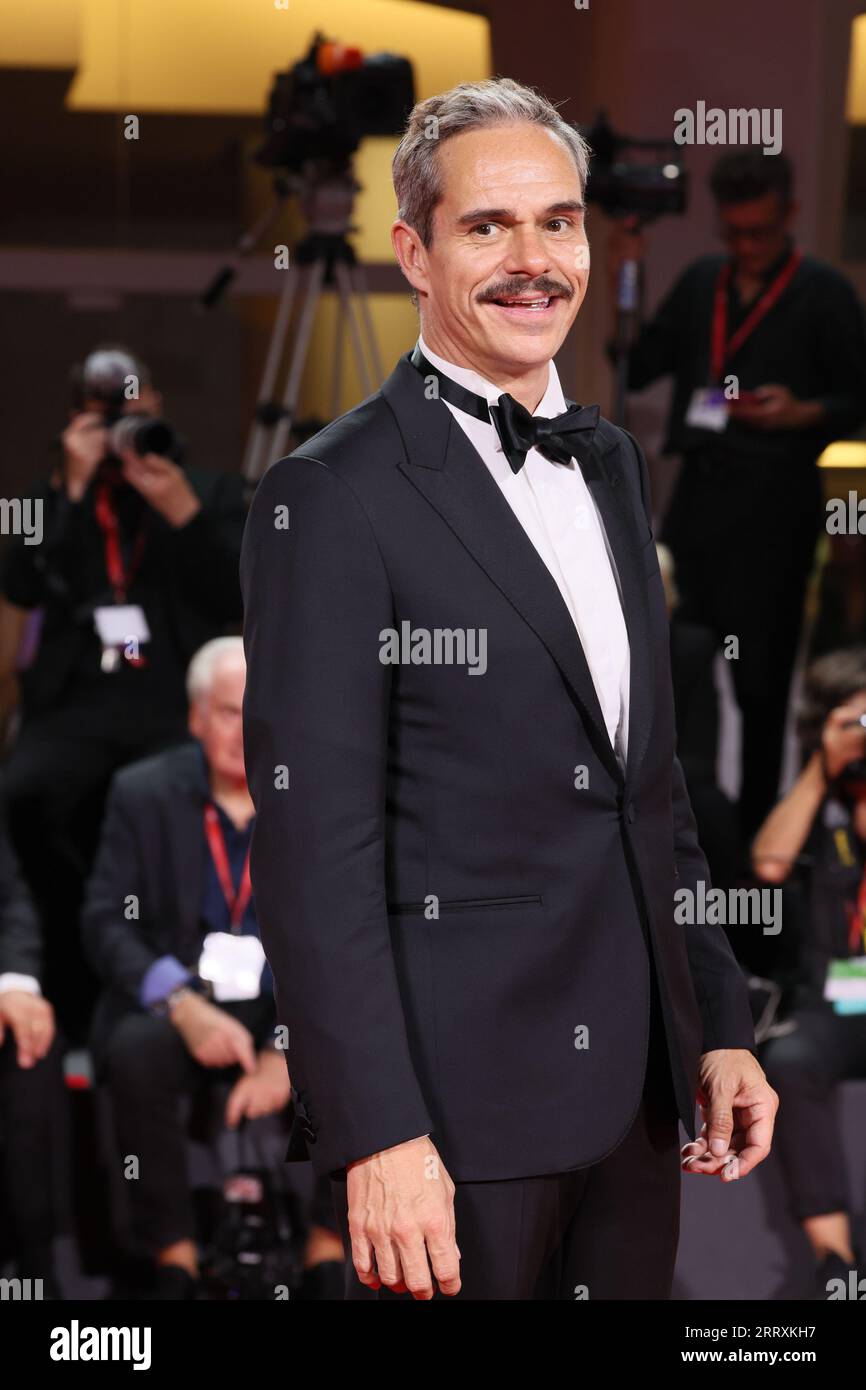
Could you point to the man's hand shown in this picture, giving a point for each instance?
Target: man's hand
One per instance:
(264, 1092)
(776, 409)
(85, 441)
(401, 1210)
(738, 1106)
(31, 1019)
(212, 1036)
(162, 484)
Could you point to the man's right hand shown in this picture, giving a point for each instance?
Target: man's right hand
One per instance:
(85, 441)
(213, 1037)
(401, 1211)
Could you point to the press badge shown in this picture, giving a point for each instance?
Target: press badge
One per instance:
(708, 409)
(233, 964)
(119, 624)
(845, 985)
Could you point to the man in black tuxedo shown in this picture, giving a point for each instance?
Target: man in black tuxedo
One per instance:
(470, 820)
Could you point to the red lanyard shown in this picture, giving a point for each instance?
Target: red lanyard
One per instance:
(720, 347)
(236, 901)
(119, 576)
(857, 919)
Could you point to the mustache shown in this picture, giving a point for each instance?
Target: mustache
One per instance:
(509, 289)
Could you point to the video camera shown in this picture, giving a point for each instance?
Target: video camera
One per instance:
(625, 185)
(324, 106)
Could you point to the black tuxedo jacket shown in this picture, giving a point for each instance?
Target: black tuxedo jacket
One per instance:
(513, 1025)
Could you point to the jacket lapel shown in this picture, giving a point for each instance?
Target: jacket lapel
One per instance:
(442, 464)
(602, 470)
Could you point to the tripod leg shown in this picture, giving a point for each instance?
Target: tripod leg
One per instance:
(337, 374)
(257, 443)
(315, 276)
(344, 286)
(367, 322)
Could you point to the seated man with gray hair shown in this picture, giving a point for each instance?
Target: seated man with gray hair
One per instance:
(170, 926)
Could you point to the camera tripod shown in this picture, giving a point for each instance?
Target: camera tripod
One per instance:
(321, 260)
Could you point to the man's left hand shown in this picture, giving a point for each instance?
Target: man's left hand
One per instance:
(776, 408)
(738, 1106)
(262, 1092)
(162, 484)
(31, 1019)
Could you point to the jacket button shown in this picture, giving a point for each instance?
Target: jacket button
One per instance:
(630, 812)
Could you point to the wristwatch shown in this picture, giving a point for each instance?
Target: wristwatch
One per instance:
(163, 1007)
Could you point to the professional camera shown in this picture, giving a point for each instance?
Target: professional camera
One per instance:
(324, 106)
(105, 378)
(850, 781)
(623, 184)
(255, 1245)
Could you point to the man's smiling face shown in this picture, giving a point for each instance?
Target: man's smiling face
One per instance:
(507, 268)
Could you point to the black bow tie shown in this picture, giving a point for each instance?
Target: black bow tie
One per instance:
(518, 431)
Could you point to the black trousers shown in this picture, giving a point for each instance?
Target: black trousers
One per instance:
(54, 783)
(742, 533)
(30, 1103)
(149, 1071)
(805, 1068)
(609, 1231)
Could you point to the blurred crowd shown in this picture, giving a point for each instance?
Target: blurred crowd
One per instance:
(130, 961)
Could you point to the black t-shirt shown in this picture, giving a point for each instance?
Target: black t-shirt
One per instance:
(830, 870)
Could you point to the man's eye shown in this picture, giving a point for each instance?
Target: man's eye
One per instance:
(558, 223)
(484, 227)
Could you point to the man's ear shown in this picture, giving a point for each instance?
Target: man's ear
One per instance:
(411, 255)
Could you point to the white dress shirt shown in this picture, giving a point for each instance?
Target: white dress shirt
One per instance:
(556, 510)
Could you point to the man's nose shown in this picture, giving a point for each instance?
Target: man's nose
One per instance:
(527, 253)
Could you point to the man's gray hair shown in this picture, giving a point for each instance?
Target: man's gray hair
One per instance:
(200, 672)
(469, 106)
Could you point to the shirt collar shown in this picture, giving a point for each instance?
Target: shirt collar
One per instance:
(552, 403)
(202, 782)
(773, 270)
(781, 260)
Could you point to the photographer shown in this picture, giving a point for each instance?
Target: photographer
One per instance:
(816, 839)
(136, 569)
(768, 356)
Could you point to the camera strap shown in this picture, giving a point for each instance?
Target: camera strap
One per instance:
(721, 348)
